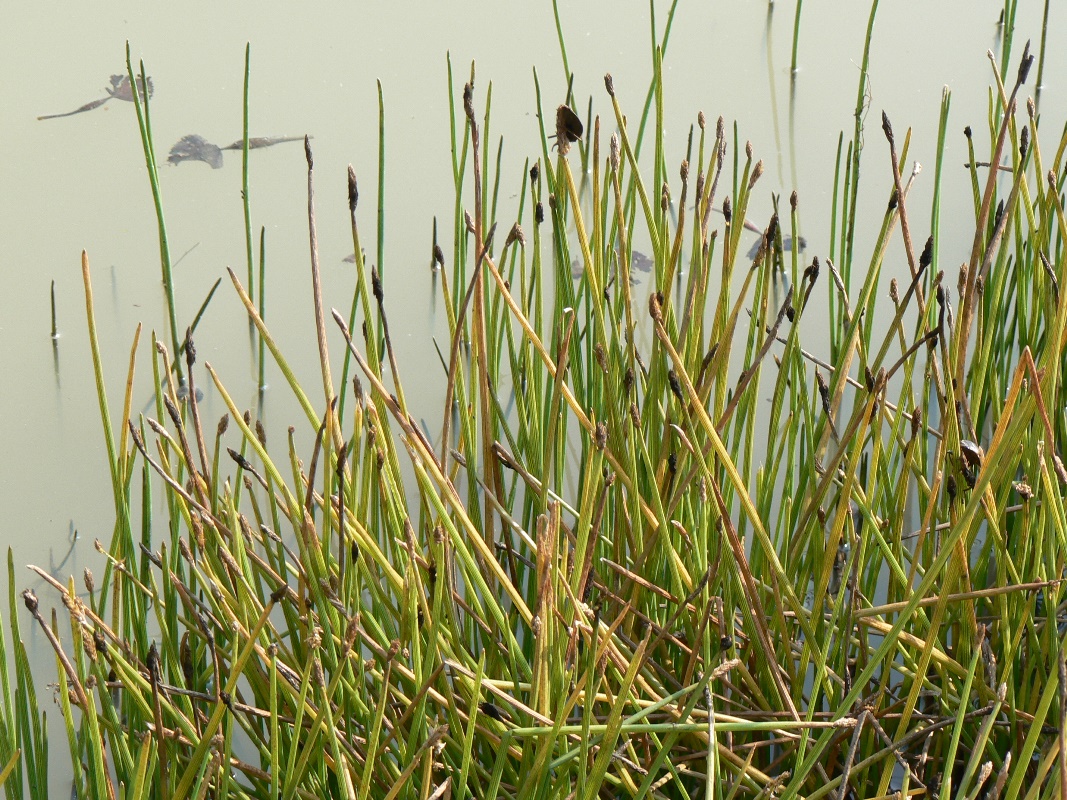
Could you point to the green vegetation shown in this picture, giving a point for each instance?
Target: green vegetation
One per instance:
(619, 571)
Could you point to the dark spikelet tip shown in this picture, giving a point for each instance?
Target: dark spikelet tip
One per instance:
(727, 208)
(927, 256)
(353, 189)
(535, 172)
(307, 152)
(152, 660)
(30, 599)
(190, 349)
(940, 295)
(793, 200)
(438, 255)
(539, 211)
(172, 410)
(376, 284)
(1027, 62)
(887, 128)
(609, 84)
(241, 461)
(676, 385)
(967, 131)
(279, 594)
(468, 101)
(136, 434)
(224, 423)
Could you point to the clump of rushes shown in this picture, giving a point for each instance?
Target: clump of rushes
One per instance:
(620, 572)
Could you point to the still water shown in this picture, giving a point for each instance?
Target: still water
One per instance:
(79, 182)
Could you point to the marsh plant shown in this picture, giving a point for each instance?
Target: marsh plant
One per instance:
(659, 544)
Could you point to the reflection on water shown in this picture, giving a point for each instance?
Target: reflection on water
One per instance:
(194, 147)
(120, 89)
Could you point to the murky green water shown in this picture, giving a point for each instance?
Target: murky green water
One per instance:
(79, 181)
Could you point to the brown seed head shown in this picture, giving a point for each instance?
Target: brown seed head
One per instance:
(757, 171)
(89, 645)
(601, 357)
(654, 309)
(601, 435)
(516, 234)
